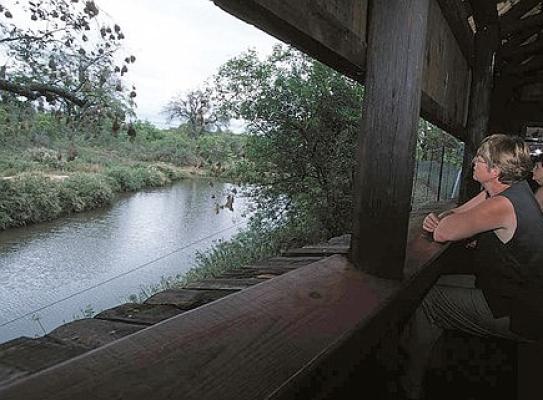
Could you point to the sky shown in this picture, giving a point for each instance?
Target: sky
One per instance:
(178, 44)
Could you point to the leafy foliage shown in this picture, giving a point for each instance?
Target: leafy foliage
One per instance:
(84, 191)
(302, 120)
(61, 52)
(431, 139)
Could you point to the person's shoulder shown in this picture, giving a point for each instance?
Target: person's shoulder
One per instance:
(497, 205)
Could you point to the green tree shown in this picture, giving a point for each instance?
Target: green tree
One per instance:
(302, 120)
(431, 141)
(62, 53)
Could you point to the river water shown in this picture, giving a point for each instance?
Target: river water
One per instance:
(51, 273)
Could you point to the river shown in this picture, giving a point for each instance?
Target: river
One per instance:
(54, 272)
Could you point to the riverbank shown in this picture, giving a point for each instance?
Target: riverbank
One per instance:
(33, 197)
(43, 177)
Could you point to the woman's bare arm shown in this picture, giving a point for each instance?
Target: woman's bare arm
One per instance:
(539, 196)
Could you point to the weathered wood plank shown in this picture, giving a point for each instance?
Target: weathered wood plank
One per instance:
(287, 261)
(141, 314)
(533, 92)
(517, 11)
(533, 66)
(486, 44)
(446, 76)
(522, 25)
(187, 299)
(224, 284)
(519, 52)
(383, 184)
(316, 250)
(433, 112)
(274, 269)
(457, 19)
(247, 273)
(514, 41)
(265, 335)
(92, 333)
(332, 31)
(24, 356)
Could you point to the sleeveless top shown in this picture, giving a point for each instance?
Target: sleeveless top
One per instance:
(511, 274)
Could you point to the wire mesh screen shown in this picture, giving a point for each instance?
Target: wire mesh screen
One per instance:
(438, 165)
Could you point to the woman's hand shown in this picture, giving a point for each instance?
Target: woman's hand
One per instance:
(430, 222)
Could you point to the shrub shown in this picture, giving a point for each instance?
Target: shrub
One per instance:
(125, 178)
(85, 191)
(45, 156)
(150, 177)
(169, 171)
(177, 150)
(28, 198)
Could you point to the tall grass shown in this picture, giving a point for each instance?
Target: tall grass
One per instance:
(35, 197)
(261, 240)
(26, 199)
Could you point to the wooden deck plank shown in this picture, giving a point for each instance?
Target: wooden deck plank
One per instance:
(142, 314)
(323, 251)
(259, 273)
(187, 299)
(24, 356)
(285, 261)
(277, 270)
(224, 284)
(92, 333)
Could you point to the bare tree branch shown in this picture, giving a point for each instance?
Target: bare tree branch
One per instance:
(33, 91)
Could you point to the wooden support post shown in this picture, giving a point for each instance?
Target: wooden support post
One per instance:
(387, 137)
(486, 45)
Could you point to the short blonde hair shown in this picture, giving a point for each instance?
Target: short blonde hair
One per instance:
(510, 154)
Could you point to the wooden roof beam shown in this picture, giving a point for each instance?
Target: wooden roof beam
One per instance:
(484, 13)
(487, 40)
(515, 41)
(517, 11)
(527, 111)
(525, 50)
(536, 77)
(312, 28)
(535, 64)
(522, 25)
(456, 15)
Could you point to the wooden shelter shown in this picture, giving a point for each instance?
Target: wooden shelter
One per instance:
(471, 67)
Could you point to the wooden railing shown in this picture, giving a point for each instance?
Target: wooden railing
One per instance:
(294, 336)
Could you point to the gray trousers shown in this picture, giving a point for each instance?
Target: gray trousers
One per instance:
(453, 303)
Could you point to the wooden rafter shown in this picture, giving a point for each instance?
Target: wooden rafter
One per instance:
(532, 66)
(518, 10)
(520, 38)
(487, 40)
(523, 51)
(528, 79)
(522, 25)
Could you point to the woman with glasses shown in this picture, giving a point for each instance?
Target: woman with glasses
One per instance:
(505, 295)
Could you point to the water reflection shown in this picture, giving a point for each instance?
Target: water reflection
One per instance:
(43, 264)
